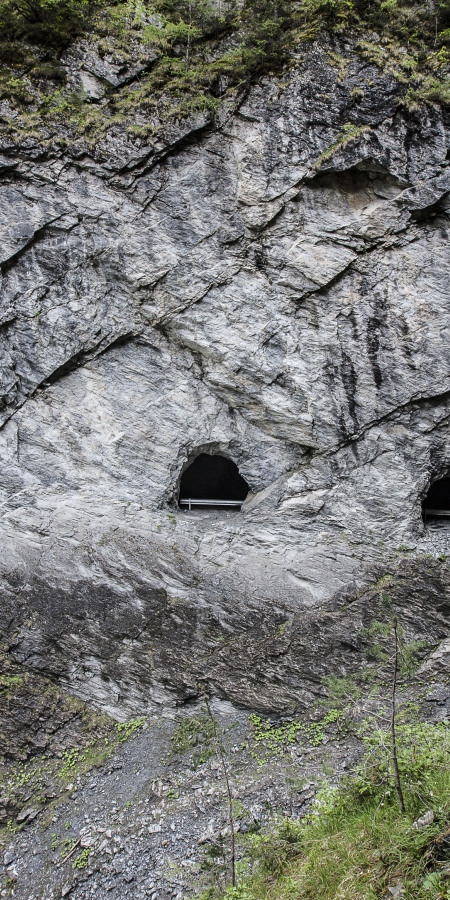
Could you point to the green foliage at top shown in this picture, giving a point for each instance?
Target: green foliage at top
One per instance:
(194, 54)
(354, 844)
(48, 23)
(54, 23)
(408, 21)
(266, 27)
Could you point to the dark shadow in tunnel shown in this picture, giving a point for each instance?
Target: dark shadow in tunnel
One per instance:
(437, 502)
(212, 482)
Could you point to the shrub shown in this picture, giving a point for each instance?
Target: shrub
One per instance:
(355, 844)
(50, 23)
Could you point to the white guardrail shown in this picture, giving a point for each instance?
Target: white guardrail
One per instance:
(190, 503)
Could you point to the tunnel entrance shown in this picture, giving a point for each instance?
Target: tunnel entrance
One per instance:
(437, 502)
(212, 482)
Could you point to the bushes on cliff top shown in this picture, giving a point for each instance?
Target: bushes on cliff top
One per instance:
(260, 25)
(196, 52)
(49, 23)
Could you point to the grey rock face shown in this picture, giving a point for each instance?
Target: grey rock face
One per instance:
(239, 291)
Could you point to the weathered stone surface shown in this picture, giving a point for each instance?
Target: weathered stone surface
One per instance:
(232, 289)
(149, 826)
(36, 716)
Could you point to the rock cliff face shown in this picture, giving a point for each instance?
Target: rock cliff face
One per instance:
(273, 288)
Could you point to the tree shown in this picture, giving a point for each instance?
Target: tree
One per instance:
(395, 662)
(51, 23)
(265, 27)
(400, 657)
(221, 753)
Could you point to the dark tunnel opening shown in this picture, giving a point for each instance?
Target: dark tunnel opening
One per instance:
(212, 482)
(437, 502)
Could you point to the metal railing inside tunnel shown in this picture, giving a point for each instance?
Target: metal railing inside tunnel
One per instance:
(233, 504)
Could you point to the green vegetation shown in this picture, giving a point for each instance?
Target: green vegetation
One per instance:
(40, 780)
(195, 734)
(126, 730)
(384, 830)
(10, 683)
(274, 739)
(203, 735)
(47, 23)
(191, 56)
(269, 740)
(341, 691)
(81, 861)
(348, 135)
(67, 845)
(355, 844)
(79, 760)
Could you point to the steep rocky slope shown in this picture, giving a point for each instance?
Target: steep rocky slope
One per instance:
(273, 287)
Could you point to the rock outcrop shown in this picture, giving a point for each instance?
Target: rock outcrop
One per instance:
(275, 288)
